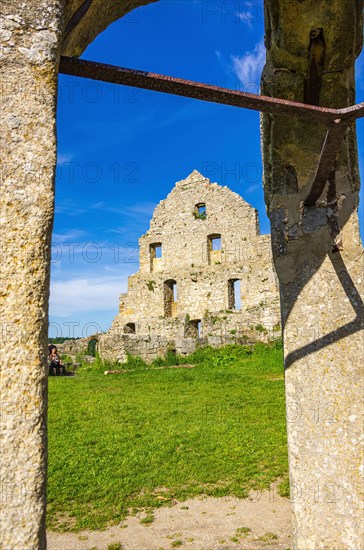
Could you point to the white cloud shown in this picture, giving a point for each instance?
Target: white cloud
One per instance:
(246, 17)
(226, 65)
(252, 188)
(80, 295)
(249, 66)
(68, 208)
(135, 210)
(146, 209)
(252, 13)
(64, 158)
(71, 235)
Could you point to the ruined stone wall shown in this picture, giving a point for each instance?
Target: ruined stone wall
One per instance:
(115, 346)
(204, 277)
(184, 238)
(204, 289)
(74, 347)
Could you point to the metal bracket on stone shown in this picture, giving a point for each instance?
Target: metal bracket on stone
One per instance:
(332, 210)
(329, 151)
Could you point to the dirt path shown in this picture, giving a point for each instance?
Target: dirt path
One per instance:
(203, 523)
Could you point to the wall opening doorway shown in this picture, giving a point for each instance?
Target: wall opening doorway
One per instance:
(129, 162)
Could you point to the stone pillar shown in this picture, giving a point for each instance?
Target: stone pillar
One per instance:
(30, 42)
(311, 50)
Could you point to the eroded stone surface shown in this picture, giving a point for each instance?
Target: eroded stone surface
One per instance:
(100, 15)
(311, 49)
(30, 43)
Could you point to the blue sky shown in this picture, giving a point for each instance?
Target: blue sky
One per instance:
(120, 150)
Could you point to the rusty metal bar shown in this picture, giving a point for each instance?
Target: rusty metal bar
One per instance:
(337, 120)
(329, 151)
(351, 113)
(205, 92)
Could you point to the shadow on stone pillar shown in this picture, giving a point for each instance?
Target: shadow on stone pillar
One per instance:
(319, 261)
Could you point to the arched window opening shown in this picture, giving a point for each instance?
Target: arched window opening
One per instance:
(129, 328)
(234, 300)
(193, 329)
(214, 249)
(170, 298)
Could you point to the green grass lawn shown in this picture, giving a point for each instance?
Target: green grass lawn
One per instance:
(119, 442)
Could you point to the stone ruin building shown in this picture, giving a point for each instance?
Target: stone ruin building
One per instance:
(206, 277)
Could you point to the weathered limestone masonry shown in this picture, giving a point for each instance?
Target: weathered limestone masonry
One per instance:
(311, 49)
(75, 347)
(30, 43)
(205, 276)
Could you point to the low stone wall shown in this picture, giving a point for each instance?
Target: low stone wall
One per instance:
(111, 347)
(117, 346)
(75, 347)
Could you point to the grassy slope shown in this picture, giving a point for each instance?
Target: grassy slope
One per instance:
(216, 429)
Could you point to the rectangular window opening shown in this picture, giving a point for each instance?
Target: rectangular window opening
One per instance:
(214, 249)
(193, 329)
(200, 211)
(234, 299)
(155, 252)
(170, 298)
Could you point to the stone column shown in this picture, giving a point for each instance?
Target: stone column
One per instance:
(30, 40)
(311, 50)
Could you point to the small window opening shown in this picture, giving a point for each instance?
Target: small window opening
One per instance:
(234, 300)
(193, 329)
(129, 328)
(200, 211)
(155, 251)
(214, 249)
(170, 298)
